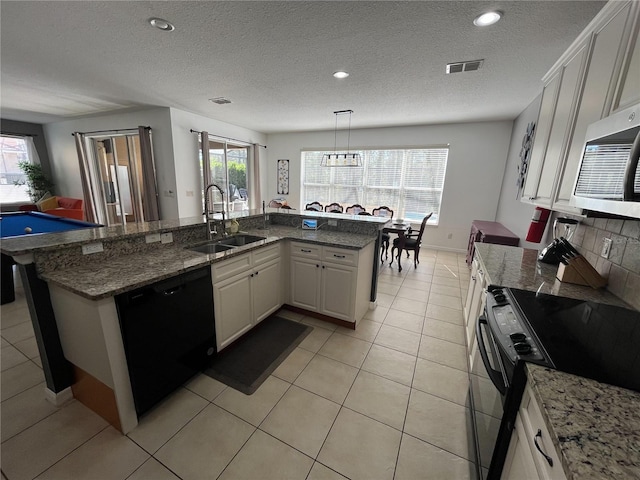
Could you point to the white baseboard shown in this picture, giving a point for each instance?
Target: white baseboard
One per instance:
(60, 398)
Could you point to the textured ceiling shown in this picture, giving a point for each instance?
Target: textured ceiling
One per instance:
(274, 60)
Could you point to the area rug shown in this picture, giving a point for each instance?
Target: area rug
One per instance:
(248, 362)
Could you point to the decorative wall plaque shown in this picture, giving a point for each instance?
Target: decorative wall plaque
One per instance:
(283, 177)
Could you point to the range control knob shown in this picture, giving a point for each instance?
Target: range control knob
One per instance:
(499, 297)
(517, 337)
(522, 348)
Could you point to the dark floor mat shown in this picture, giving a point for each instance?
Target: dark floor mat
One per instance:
(250, 360)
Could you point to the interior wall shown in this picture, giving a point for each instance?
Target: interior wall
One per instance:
(188, 176)
(512, 213)
(475, 167)
(64, 159)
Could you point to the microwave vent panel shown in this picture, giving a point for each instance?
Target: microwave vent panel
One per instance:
(602, 171)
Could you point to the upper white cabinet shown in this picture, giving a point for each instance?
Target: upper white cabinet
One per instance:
(579, 90)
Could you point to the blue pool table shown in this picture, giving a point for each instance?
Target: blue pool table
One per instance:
(15, 224)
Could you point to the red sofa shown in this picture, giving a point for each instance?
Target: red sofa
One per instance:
(66, 207)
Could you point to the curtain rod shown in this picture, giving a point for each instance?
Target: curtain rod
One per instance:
(19, 134)
(228, 138)
(113, 130)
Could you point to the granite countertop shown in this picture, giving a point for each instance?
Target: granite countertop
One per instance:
(594, 426)
(517, 267)
(121, 273)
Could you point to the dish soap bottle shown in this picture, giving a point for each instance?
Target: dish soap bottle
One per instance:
(234, 227)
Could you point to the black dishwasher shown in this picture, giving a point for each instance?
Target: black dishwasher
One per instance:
(168, 332)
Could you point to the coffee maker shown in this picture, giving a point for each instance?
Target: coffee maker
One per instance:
(562, 228)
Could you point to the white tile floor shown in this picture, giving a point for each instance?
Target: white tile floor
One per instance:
(387, 401)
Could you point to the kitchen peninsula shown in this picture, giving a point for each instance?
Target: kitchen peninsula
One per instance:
(73, 292)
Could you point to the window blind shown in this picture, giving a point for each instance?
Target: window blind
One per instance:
(409, 181)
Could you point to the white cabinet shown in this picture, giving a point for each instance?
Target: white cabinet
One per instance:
(476, 297)
(628, 92)
(531, 454)
(579, 90)
(331, 281)
(246, 290)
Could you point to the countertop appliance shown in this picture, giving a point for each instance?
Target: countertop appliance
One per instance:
(168, 331)
(584, 338)
(608, 178)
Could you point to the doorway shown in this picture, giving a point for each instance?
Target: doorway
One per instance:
(117, 173)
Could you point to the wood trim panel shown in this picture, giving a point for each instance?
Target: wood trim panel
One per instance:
(95, 395)
(320, 316)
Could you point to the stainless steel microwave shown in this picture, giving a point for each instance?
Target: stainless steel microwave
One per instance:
(608, 178)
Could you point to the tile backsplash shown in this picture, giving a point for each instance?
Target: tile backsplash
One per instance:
(622, 268)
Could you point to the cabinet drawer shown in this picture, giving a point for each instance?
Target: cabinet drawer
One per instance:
(265, 254)
(533, 422)
(228, 268)
(341, 256)
(307, 250)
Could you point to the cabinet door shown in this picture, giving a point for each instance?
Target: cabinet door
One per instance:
(519, 464)
(543, 130)
(232, 305)
(591, 108)
(266, 289)
(630, 79)
(338, 291)
(305, 283)
(472, 286)
(572, 74)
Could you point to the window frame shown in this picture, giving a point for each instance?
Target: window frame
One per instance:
(402, 187)
(25, 199)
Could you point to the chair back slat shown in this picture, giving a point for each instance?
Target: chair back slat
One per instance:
(355, 209)
(314, 206)
(333, 207)
(382, 212)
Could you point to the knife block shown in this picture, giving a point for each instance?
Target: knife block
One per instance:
(580, 272)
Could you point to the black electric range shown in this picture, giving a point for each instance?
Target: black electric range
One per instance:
(585, 338)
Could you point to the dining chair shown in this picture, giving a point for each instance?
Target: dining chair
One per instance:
(412, 241)
(355, 209)
(314, 206)
(383, 212)
(334, 207)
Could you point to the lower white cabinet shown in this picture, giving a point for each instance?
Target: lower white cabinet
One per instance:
(331, 281)
(246, 290)
(531, 454)
(476, 297)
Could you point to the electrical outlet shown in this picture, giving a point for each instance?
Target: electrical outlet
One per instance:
(333, 222)
(166, 237)
(92, 248)
(606, 248)
(152, 238)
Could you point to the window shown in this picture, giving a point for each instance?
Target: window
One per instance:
(409, 181)
(12, 151)
(229, 164)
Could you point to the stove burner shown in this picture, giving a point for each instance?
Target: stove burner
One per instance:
(518, 337)
(522, 348)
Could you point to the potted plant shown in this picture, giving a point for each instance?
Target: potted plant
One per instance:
(37, 182)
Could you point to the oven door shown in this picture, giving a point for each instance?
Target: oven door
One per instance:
(488, 386)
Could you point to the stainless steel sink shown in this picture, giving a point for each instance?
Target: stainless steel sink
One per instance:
(240, 240)
(210, 248)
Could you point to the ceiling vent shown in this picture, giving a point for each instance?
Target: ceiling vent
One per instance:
(460, 67)
(220, 100)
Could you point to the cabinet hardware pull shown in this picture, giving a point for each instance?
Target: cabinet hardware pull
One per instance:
(257, 273)
(322, 266)
(535, 441)
(317, 266)
(252, 274)
(339, 256)
(305, 251)
(473, 278)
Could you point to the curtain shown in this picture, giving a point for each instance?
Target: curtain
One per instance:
(149, 188)
(206, 164)
(255, 178)
(32, 152)
(90, 213)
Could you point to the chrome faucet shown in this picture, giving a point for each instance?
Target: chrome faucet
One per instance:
(211, 222)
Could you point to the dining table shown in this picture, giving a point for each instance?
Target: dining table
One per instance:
(401, 229)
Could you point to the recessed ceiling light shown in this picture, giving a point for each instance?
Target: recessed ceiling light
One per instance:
(488, 18)
(162, 24)
(341, 74)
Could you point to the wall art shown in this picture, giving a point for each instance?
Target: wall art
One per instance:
(283, 177)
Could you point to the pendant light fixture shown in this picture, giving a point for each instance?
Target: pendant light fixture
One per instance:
(343, 159)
